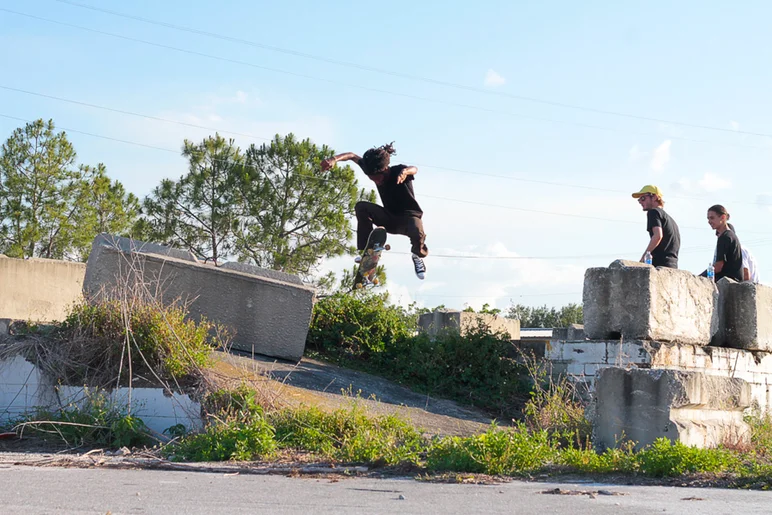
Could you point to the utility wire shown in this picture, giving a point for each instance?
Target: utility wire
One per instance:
(403, 75)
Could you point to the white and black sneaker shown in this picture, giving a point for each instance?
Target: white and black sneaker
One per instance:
(420, 267)
(358, 259)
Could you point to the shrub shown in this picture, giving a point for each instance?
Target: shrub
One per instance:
(95, 422)
(513, 451)
(349, 435)
(357, 326)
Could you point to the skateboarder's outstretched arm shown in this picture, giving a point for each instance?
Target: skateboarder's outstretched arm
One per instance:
(346, 156)
(408, 170)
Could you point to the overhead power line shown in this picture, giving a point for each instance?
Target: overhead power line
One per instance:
(404, 75)
(264, 138)
(377, 90)
(449, 199)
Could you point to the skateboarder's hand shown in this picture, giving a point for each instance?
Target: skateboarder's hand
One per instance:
(328, 163)
(402, 177)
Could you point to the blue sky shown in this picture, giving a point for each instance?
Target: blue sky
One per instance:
(696, 63)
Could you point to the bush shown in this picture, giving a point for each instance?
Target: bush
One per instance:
(761, 433)
(357, 326)
(349, 435)
(236, 430)
(664, 458)
(363, 332)
(498, 451)
(555, 406)
(474, 369)
(96, 422)
(97, 339)
(238, 441)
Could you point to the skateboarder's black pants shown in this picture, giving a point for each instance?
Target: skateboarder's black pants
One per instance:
(370, 215)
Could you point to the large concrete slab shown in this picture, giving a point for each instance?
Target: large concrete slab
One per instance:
(745, 315)
(693, 408)
(269, 316)
(135, 246)
(637, 301)
(39, 290)
(464, 321)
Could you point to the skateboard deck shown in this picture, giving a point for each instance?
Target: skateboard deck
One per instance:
(376, 244)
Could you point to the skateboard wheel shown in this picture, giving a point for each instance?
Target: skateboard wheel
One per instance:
(387, 247)
(360, 286)
(376, 281)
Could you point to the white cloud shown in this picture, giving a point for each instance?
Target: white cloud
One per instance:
(493, 79)
(765, 201)
(636, 153)
(709, 183)
(734, 125)
(240, 97)
(713, 182)
(661, 156)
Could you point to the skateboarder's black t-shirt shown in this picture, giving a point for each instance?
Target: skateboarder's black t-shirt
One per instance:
(399, 199)
(729, 251)
(666, 253)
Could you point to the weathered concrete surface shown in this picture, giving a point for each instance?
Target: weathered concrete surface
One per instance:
(246, 268)
(128, 245)
(23, 389)
(39, 290)
(268, 316)
(574, 332)
(583, 360)
(745, 315)
(693, 408)
(462, 321)
(638, 301)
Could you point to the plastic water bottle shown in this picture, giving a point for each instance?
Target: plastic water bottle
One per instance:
(711, 272)
(647, 258)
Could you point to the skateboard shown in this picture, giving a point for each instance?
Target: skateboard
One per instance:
(376, 244)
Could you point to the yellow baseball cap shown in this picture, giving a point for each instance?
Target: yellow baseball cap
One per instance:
(648, 189)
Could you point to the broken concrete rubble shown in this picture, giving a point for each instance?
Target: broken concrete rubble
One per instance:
(464, 321)
(745, 315)
(690, 407)
(637, 301)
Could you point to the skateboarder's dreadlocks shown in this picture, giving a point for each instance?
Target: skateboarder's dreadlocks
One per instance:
(400, 213)
(378, 158)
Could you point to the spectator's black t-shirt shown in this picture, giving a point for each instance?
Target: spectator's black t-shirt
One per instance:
(666, 253)
(729, 251)
(399, 199)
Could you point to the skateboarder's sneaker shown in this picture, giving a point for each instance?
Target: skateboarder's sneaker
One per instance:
(420, 267)
(358, 259)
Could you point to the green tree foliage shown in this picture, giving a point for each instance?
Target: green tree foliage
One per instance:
(49, 207)
(200, 210)
(292, 215)
(546, 317)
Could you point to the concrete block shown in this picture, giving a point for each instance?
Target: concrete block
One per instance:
(246, 268)
(268, 316)
(575, 369)
(39, 290)
(746, 321)
(637, 301)
(574, 332)
(586, 352)
(463, 321)
(127, 245)
(554, 352)
(693, 408)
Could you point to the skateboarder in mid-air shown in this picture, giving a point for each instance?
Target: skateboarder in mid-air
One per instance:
(400, 213)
